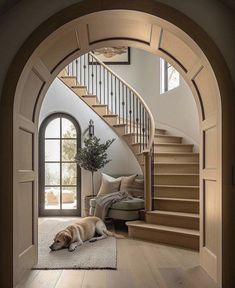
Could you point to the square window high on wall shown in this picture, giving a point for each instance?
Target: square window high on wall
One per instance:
(170, 77)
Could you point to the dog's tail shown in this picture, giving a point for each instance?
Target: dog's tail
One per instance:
(112, 234)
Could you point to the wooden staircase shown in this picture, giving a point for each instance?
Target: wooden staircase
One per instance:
(174, 218)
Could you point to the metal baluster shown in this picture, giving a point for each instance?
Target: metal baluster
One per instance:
(100, 82)
(137, 119)
(130, 111)
(104, 72)
(88, 71)
(92, 75)
(133, 111)
(119, 93)
(96, 78)
(115, 94)
(81, 83)
(111, 93)
(127, 112)
(123, 103)
(108, 90)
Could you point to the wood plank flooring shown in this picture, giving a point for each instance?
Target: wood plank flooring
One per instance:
(140, 264)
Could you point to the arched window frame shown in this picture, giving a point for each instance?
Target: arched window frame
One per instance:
(42, 131)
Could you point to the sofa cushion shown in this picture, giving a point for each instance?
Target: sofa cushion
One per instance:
(132, 204)
(126, 181)
(136, 188)
(109, 185)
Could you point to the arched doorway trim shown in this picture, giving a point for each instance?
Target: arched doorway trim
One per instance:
(39, 72)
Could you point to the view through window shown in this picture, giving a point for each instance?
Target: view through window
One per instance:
(170, 77)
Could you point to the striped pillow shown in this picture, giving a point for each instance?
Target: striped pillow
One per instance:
(136, 188)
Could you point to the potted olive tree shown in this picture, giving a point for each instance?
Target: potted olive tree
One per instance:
(93, 156)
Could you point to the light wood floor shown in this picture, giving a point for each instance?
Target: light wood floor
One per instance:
(140, 265)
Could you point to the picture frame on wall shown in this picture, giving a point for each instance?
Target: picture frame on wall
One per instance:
(114, 55)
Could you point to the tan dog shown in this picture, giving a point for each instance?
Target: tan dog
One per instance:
(81, 231)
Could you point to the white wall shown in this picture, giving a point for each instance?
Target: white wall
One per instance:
(174, 110)
(60, 98)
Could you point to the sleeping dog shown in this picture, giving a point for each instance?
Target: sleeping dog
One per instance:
(83, 230)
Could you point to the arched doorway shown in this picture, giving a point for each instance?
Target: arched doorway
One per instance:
(129, 28)
(59, 176)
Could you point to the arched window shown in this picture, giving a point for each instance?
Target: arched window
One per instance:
(60, 176)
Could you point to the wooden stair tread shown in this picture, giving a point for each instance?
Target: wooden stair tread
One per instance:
(177, 163)
(177, 199)
(120, 125)
(172, 213)
(78, 86)
(99, 105)
(175, 174)
(173, 144)
(166, 136)
(174, 153)
(67, 76)
(177, 186)
(110, 115)
(88, 96)
(144, 225)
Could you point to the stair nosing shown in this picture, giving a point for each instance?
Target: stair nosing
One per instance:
(110, 115)
(144, 225)
(178, 186)
(177, 199)
(173, 213)
(176, 174)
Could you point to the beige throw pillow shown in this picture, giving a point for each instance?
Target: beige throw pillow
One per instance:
(126, 181)
(136, 188)
(109, 185)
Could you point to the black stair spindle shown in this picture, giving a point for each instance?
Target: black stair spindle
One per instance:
(119, 102)
(127, 110)
(92, 75)
(104, 98)
(108, 74)
(111, 93)
(100, 82)
(123, 103)
(130, 110)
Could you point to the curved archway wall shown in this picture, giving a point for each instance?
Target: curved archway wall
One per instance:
(79, 36)
(133, 29)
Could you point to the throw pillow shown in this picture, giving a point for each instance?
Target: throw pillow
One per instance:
(127, 180)
(136, 188)
(109, 185)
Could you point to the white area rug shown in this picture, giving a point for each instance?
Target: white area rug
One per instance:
(98, 255)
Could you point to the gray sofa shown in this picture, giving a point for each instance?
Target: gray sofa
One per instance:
(126, 210)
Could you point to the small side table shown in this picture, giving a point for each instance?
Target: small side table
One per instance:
(87, 204)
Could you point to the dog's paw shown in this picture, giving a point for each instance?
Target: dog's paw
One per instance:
(92, 240)
(72, 248)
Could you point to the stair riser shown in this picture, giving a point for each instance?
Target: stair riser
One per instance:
(176, 168)
(80, 91)
(173, 221)
(90, 100)
(100, 110)
(175, 192)
(167, 139)
(135, 148)
(165, 237)
(173, 148)
(120, 130)
(69, 81)
(176, 158)
(176, 206)
(159, 131)
(182, 180)
(111, 120)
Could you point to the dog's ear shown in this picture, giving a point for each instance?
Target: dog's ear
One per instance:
(67, 237)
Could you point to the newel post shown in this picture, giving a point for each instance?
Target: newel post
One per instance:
(147, 181)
